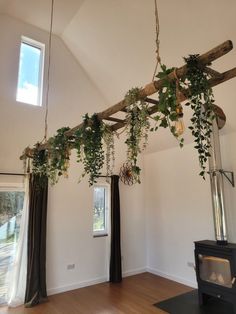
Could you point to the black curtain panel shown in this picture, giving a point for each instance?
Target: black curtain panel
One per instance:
(115, 260)
(36, 268)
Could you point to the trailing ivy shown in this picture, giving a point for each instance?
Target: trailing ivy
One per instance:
(168, 104)
(53, 162)
(60, 147)
(40, 163)
(88, 142)
(202, 103)
(108, 138)
(138, 126)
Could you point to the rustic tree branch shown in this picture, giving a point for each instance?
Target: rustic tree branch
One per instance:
(153, 87)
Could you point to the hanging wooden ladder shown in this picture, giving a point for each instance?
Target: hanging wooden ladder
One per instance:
(205, 59)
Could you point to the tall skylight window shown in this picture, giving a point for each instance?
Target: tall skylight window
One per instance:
(30, 76)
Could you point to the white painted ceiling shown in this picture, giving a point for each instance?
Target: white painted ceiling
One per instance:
(37, 12)
(114, 41)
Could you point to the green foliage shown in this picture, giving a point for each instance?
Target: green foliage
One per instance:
(88, 142)
(138, 126)
(60, 146)
(202, 104)
(168, 103)
(40, 162)
(108, 138)
(53, 161)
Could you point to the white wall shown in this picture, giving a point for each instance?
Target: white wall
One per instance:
(179, 210)
(69, 234)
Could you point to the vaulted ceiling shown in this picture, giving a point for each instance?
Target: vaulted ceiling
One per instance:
(114, 40)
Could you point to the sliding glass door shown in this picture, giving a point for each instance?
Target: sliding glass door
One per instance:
(11, 206)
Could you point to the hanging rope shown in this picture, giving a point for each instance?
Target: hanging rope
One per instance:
(158, 58)
(48, 74)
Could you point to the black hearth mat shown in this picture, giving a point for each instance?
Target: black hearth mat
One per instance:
(188, 304)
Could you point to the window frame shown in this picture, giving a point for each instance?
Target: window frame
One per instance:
(41, 46)
(10, 187)
(105, 232)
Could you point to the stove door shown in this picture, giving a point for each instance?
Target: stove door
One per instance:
(216, 270)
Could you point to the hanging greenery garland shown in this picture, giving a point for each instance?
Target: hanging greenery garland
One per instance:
(88, 142)
(40, 164)
(109, 141)
(168, 104)
(201, 101)
(59, 154)
(138, 126)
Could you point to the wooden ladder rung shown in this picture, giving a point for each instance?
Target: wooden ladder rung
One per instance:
(114, 120)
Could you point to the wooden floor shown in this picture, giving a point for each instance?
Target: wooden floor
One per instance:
(135, 295)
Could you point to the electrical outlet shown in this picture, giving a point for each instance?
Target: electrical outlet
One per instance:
(191, 264)
(70, 266)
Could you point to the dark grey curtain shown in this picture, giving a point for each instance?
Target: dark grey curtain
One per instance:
(115, 260)
(36, 269)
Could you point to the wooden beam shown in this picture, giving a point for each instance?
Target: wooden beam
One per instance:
(114, 119)
(154, 86)
(212, 82)
(151, 101)
(212, 72)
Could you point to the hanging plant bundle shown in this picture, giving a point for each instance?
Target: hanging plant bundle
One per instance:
(60, 150)
(168, 104)
(201, 101)
(51, 159)
(88, 142)
(108, 138)
(138, 126)
(40, 163)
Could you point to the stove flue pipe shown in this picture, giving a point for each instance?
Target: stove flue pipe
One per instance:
(217, 186)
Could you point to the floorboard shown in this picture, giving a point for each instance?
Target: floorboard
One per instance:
(135, 295)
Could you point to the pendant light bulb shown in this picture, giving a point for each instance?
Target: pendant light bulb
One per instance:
(179, 123)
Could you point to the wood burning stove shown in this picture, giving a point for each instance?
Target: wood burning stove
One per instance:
(216, 271)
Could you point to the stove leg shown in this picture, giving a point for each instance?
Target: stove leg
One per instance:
(234, 308)
(202, 297)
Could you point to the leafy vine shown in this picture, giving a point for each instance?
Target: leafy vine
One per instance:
(201, 101)
(138, 126)
(88, 142)
(59, 154)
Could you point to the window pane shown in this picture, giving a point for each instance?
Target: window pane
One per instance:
(11, 205)
(99, 209)
(29, 79)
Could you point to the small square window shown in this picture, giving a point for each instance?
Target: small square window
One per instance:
(30, 75)
(100, 209)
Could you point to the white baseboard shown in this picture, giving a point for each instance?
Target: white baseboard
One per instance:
(91, 282)
(192, 284)
(135, 271)
(78, 285)
(126, 273)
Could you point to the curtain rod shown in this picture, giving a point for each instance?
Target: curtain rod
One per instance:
(11, 174)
